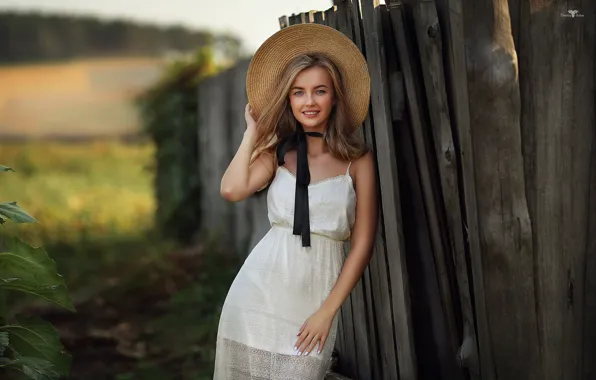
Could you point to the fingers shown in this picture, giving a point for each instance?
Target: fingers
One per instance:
(301, 328)
(322, 344)
(312, 345)
(307, 343)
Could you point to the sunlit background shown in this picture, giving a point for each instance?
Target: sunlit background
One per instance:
(71, 76)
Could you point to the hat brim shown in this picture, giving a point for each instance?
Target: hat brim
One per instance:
(273, 56)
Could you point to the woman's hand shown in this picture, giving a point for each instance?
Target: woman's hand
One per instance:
(251, 124)
(314, 330)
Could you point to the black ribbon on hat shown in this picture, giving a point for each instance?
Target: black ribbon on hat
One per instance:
(301, 207)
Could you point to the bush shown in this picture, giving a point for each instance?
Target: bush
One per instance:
(29, 345)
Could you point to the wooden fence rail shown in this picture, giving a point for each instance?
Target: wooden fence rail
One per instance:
(468, 280)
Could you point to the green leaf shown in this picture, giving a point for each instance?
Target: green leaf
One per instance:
(15, 213)
(33, 368)
(39, 348)
(30, 270)
(6, 168)
(3, 342)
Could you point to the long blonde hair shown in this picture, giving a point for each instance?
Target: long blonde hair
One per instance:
(277, 120)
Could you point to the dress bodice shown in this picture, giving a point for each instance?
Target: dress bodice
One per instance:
(332, 204)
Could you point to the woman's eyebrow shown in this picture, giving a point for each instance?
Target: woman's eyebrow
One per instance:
(300, 88)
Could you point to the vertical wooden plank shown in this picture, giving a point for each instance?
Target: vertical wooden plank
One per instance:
(383, 317)
(205, 169)
(283, 22)
(386, 159)
(428, 35)
(330, 17)
(319, 18)
(219, 124)
(589, 344)
(294, 19)
(380, 310)
(304, 17)
(360, 338)
(507, 256)
(451, 15)
(343, 18)
(243, 227)
(444, 346)
(370, 278)
(557, 79)
(357, 24)
(427, 313)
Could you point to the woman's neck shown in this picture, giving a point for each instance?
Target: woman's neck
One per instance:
(316, 145)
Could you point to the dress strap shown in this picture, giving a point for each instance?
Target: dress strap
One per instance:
(348, 169)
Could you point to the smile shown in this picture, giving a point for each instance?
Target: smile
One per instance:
(310, 113)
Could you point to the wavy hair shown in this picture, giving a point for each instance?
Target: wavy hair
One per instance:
(277, 120)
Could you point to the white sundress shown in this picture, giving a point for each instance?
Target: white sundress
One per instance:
(281, 284)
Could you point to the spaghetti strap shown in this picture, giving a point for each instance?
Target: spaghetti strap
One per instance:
(348, 169)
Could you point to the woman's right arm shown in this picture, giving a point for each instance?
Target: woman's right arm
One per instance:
(242, 179)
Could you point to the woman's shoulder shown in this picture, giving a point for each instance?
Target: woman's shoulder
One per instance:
(363, 163)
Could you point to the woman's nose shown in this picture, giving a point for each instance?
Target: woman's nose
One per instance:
(310, 99)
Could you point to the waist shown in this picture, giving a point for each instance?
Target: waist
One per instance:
(314, 236)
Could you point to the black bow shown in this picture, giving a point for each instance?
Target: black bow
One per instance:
(301, 209)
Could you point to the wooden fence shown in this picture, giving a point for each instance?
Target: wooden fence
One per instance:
(484, 265)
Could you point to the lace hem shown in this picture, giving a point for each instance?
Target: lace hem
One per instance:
(236, 361)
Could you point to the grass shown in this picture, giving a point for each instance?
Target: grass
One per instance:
(147, 309)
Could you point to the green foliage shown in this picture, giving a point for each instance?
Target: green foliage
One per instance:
(29, 346)
(170, 116)
(14, 212)
(30, 270)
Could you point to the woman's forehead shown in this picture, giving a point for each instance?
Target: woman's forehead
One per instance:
(313, 76)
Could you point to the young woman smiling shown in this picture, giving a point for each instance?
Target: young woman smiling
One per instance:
(308, 90)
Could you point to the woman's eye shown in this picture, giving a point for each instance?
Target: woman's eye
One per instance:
(321, 92)
(298, 93)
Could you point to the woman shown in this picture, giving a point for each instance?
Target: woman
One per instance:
(308, 90)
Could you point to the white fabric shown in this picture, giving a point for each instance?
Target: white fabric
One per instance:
(282, 283)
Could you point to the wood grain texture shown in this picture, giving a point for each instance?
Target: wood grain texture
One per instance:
(559, 138)
(389, 184)
(503, 219)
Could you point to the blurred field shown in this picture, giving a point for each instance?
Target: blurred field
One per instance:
(83, 98)
(80, 191)
(146, 309)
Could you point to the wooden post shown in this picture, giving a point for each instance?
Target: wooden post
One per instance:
(559, 140)
(506, 256)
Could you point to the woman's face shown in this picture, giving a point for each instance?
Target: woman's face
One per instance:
(312, 98)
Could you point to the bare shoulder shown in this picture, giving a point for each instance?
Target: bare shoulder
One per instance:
(364, 167)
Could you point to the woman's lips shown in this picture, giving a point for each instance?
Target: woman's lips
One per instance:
(310, 114)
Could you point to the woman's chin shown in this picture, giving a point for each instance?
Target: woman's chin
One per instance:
(311, 124)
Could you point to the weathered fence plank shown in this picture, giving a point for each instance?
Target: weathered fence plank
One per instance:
(243, 229)
(360, 346)
(429, 36)
(434, 284)
(503, 218)
(451, 19)
(559, 135)
(216, 212)
(589, 343)
(389, 185)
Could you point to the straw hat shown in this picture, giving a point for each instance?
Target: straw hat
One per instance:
(270, 60)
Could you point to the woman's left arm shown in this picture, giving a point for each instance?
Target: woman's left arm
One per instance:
(315, 329)
(363, 234)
